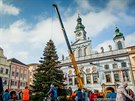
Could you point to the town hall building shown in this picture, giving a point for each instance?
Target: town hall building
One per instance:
(99, 70)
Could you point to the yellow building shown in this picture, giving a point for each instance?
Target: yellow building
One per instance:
(4, 69)
(32, 68)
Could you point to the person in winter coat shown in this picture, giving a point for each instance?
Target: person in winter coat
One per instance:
(53, 93)
(131, 93)
(111, 95)
(6, 95)
(79, 95)
(26, 94)
(85, 94)
(121, 93)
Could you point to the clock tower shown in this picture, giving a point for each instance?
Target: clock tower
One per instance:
(80, 33)
(82, 45)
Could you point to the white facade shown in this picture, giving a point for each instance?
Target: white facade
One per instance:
(99, 71)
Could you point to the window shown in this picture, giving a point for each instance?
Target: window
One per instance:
(21, 84)
(1, 70)
(24, 84)
(13, 73)
(115, 66)
(123, 64)
(116, 77)
(70, 81)
(95, 78)
(79, 52)
(21, 75)
(126, 76)
(119, 45)
(12, 82)
(85, 51)
(24, 76)
(6, 71)
(15, 83)
(106, 66)
(108, 78)
(5, 82)
(88, 79)
(76, 81)
(16, 74)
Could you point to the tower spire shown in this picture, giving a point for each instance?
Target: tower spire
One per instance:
(80, 26)
(118, 34)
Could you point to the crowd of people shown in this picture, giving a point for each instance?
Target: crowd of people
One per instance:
(11, 96)
(122, 94)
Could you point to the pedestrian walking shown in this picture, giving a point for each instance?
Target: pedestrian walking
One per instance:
(130, 93)
(6, 95)
(111, 95)
(121, 93)
(53, 93)
(25, 94)
(85, 94)
(79, 95)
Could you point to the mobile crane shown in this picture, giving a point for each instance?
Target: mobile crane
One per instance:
(71, 54)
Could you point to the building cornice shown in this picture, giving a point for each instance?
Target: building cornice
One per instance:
(98, 58)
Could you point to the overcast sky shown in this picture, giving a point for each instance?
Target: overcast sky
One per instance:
(27, 25)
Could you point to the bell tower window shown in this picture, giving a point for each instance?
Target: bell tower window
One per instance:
(119, 45)
(79, 52)
(85, 51)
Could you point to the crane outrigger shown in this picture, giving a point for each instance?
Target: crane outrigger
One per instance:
(71, 54)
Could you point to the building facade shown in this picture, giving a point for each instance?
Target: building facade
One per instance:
(4, 69)
(32, 68)
(131, 51)
(99, 70)
(18, 75)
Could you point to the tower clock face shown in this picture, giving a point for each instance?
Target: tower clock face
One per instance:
(79, 34)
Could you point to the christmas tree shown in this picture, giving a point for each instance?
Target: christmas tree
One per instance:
(48, 72)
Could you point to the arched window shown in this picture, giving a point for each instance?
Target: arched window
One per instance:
(79, 52)
(85, 51)
(119, 45)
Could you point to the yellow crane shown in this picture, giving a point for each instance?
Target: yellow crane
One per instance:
(71, 54)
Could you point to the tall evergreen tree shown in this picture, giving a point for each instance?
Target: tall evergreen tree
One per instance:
(48, 72)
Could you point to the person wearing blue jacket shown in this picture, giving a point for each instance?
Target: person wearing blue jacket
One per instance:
(6, 95)
(53, 93)
(79, 95)
(111, 95)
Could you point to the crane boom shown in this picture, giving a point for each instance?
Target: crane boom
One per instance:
(71, 54)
